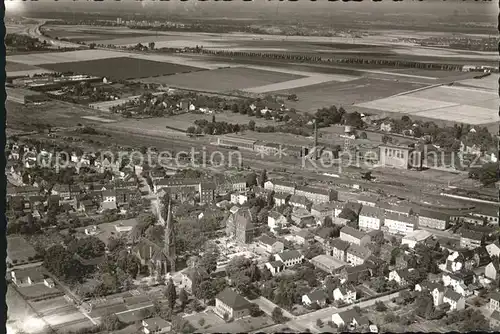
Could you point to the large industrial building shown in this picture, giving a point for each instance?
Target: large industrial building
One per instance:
(403, 157)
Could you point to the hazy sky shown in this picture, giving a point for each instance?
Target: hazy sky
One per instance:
(486, 11)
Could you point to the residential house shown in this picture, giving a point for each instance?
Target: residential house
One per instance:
(276, 220)
(399, 223)
(303, 236)
(238, 183)
(368, 200)
(290, 257)
(229, 305)
(240, 198)
(155, 325)
(398, 209)
(354, 274)
(350, 318)
(400, 276)
(271, 245)
(317, 195)
(438, 294)
(353, 236)
(370, 218)
(345, 293)
(493, 248)
(433, 219)
(275, 267)
(494, 302)
(281, 199)
(109, 196)
(317, 296)
(455, 300)
(328, 209)
(338, 249)
(459, 282)
(240, 227)
(298, 201)
(27, 276)
(492, 270)
(302, 217)
(467, 259)
(471, 239)
(357, 255)
(416, 237)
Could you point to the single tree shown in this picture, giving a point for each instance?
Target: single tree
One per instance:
(171, 294)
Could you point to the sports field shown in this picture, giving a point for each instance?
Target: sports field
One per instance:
(225, 79)
(121, 68)
(450, 103)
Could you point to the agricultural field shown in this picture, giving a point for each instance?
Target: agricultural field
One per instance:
(224, 79)
(488, 83)
(90, 33)
(459, 104)
(348, 93)
(11, 66)
(114, 68)
(63, 57)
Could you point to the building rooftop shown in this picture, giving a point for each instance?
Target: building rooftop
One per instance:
(316, 295)
(352, 232)
(233, 299)
(267, 240)
(473, 235)
(289, 255)
(369, 211)
(450, 294)
(359, 251)
(434, 214)
(339, 244)
(418, 235)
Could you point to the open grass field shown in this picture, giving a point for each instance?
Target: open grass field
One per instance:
(121, 68)
(19, 250)
(53, 113)
(459, 104)
(224, 79)
(157, 126)
(345, 94)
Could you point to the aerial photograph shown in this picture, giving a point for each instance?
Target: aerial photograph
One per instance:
(252, 167)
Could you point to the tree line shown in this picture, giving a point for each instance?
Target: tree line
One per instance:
(349, 60)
